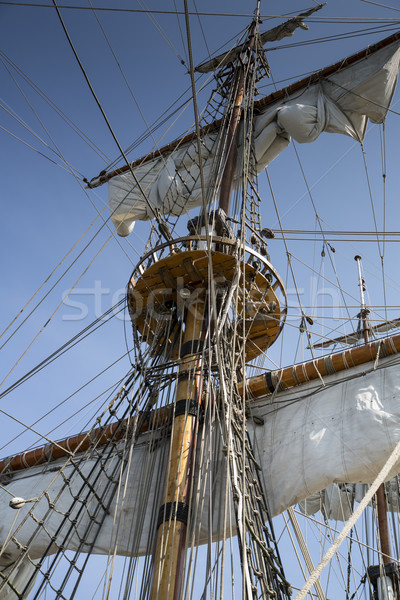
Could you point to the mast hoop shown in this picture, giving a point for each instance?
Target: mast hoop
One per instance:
(188, 406)
(191, 347)
(174, 511)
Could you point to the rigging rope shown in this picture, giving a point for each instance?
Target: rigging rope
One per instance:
(25, 126)
(381, 477)
(53, 106)
(152, 211)
(214, 14)
(52, 315)
(99, 322)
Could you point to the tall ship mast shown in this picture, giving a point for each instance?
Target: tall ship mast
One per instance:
(209, 456)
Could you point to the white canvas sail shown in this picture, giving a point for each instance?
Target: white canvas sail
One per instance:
(315, 434)
(339, 103)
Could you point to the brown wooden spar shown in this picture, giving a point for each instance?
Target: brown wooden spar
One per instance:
(231, 151)
(232, 138)
(256, 387)
(383, 526)
(288, 377)
(76, 444)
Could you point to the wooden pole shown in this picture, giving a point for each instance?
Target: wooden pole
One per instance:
(169, 556)
(231, 150)
(383, 527)
(256, 387)
(281, 379)
(233, 132)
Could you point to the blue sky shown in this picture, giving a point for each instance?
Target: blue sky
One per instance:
(46, 210)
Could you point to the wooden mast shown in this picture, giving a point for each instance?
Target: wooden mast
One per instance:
(173, 515)
(232, 139)
(169, 556)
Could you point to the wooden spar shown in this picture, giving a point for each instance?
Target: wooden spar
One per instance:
(262, 385)
(169, 555)
(258, 106)
(354, 336)
(383, 527)
(256, 387)
(83, 441)
(285, 29)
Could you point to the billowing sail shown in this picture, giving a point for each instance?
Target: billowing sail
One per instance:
(341, 101)
(315, 434)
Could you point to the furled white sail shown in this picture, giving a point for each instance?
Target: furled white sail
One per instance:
(339, 103)
(312, 435)
(337, 501)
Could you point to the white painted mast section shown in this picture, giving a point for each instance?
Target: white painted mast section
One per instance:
(361, 282)
(384, 583)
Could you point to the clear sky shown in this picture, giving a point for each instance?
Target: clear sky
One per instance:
(46, 210)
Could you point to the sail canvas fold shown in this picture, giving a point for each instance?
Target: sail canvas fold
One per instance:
(341, 103)
(335, 502)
